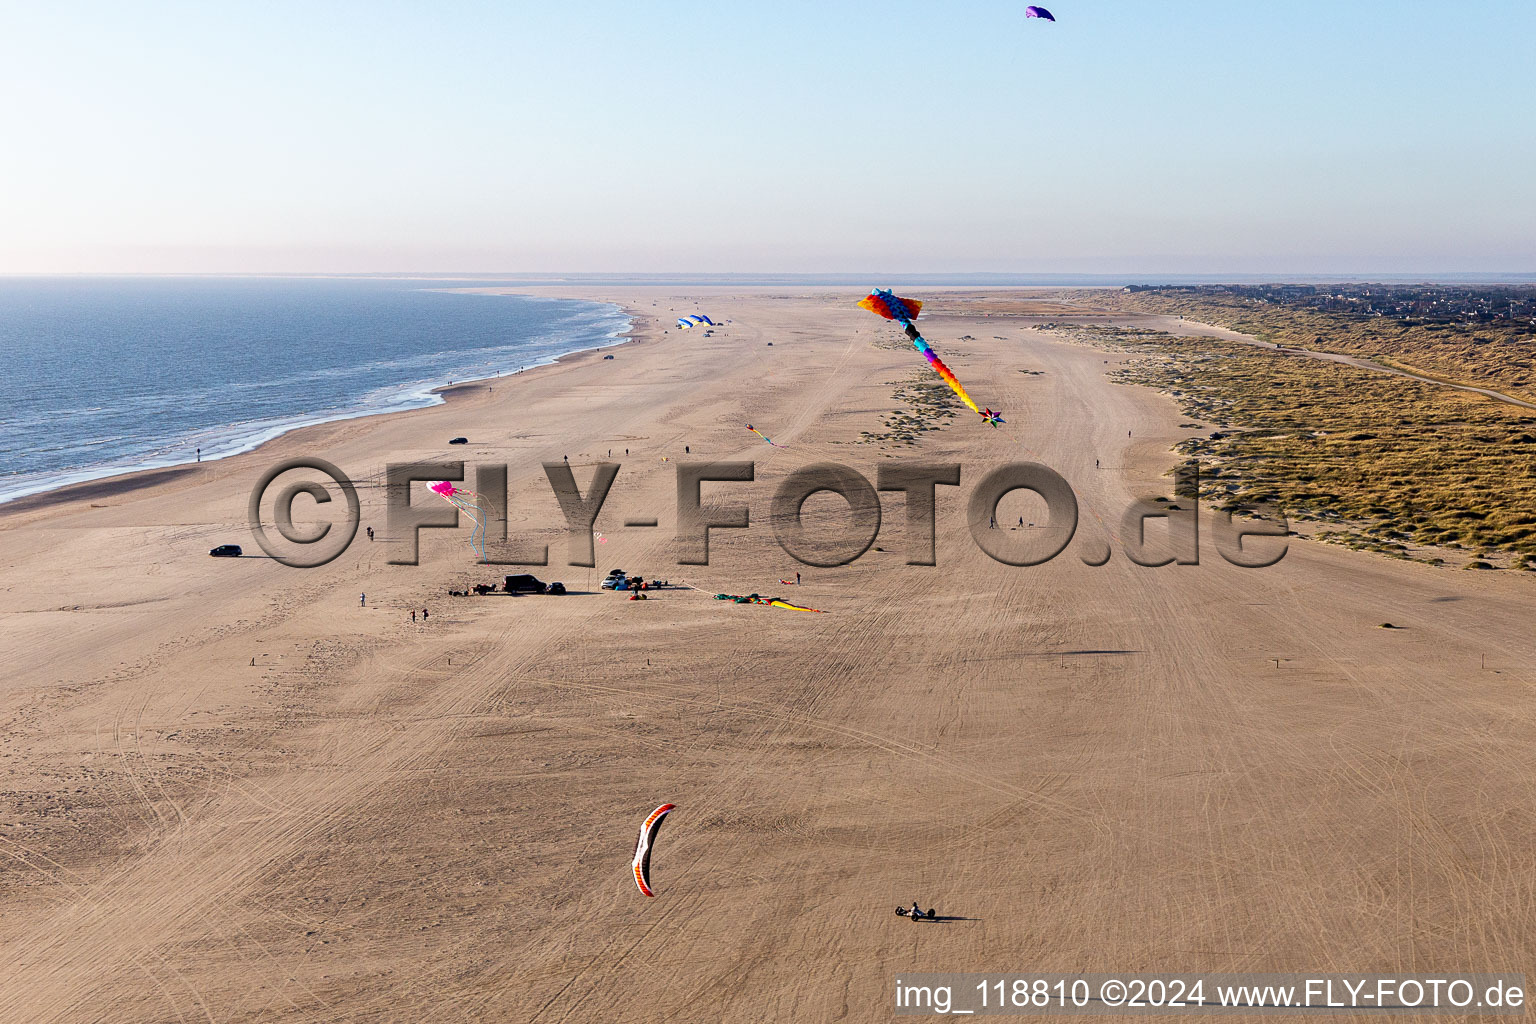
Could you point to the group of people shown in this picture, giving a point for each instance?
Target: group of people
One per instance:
(362, 601)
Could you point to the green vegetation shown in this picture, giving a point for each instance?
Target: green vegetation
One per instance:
(926, 403)
(1500, 356)
(1372, 461)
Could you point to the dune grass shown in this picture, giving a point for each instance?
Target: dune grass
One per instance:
(925, 403)
(1375, 461)
(1500, 356)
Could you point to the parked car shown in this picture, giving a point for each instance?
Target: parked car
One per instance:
(459, 440)
(523, 583)
(226, 551)
(612, 582)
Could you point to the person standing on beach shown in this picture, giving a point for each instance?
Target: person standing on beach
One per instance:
(199, 455)
(362, 600)
(797, 579)
(413, 614)
(687, 450)
(423, 615)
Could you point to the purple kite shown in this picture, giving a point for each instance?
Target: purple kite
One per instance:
(1039, 12)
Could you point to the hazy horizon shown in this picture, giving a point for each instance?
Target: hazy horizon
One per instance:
(999, 279)
(1303, 140)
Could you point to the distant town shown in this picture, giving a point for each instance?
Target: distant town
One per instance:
(1506, 305)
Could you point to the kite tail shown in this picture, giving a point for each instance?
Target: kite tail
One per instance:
(469, 503)
(949, 378)
(765, 437)
(477, 537)
(938, 366)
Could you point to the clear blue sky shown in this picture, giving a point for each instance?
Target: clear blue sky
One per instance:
(1164, 137)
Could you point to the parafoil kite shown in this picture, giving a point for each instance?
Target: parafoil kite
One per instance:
(648, 830)
(694, 320)
(776, 602)
(903, 311)
(1039, 12)
(472, 505)
(762, 435)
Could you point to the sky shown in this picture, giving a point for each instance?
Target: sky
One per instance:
(793, 137)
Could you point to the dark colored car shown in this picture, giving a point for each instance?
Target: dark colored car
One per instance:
(226, 551)
(527, 584)
(459, 440)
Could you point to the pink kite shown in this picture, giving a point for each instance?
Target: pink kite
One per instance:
(471, 504)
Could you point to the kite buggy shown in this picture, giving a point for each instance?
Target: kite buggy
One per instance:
(915, 912)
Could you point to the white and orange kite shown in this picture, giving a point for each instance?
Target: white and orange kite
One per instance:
(642, 863)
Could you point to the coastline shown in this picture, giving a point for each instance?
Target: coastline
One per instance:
(202, 753)
(112, 481)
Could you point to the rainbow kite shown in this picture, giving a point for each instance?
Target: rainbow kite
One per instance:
(764, 436)
(882, 303)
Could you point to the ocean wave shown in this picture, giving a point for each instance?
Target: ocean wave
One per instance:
(58, 443)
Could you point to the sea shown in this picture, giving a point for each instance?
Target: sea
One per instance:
(100, 376)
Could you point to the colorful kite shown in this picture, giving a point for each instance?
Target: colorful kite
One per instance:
(642, 861)
(1039, 12)
(882, 303)
(471, 504)
(764, 436)
(777, 602)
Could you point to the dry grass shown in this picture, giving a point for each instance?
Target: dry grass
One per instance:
(1501, 357)
(1379, 462)
(926, 402)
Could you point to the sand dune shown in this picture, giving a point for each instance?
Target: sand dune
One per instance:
(1115, 769)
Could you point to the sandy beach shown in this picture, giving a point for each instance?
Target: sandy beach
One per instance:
(231, 792)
